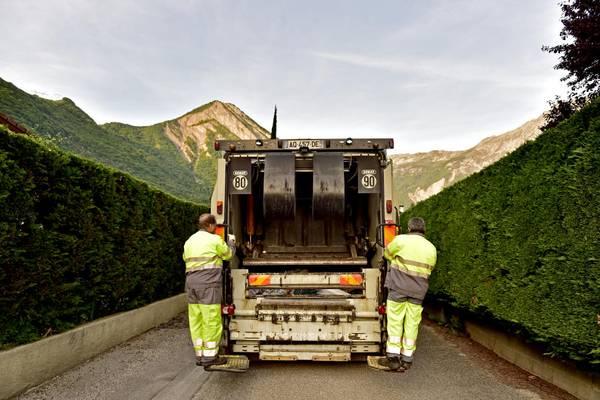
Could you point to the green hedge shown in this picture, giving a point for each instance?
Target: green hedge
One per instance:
(79, 241)
(519, 242)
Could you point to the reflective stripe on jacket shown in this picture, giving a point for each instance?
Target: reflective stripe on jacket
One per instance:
(204, 254)
(411, 259)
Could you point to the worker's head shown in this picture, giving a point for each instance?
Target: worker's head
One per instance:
(207, 222)
(417, 225)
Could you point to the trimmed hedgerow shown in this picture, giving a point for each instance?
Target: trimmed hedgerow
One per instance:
(519, 242)
(79, 241)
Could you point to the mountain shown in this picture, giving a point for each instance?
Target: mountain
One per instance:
(176, 156)
(421, 175)
(193, 135)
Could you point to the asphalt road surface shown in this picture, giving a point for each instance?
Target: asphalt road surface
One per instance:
(160, 365)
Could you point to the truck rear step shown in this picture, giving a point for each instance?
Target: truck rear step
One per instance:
(235, 363)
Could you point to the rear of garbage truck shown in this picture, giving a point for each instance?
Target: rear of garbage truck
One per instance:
(310, 218)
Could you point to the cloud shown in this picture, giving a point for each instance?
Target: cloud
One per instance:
(438, 73)
(438, 69)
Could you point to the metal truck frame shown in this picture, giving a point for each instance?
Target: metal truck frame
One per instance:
(306, 282)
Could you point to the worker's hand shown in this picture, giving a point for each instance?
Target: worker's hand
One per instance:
(231, 240)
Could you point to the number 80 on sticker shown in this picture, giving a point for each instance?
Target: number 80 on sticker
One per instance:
(240, 180)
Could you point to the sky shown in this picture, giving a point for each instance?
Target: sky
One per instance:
(432, 74)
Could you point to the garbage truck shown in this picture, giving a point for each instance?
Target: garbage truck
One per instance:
(310, 218)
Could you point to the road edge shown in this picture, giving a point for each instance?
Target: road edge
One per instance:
(31, 364)
(514, 350)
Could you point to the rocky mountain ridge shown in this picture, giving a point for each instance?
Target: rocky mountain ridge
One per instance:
(422, 175)
(190, 131)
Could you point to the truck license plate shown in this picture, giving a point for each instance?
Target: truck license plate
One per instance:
(297, 144)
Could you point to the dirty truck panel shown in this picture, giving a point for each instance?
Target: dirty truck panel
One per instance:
(310, 217)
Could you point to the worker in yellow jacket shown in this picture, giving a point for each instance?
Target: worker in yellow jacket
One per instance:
(411, 258)
(204, 253)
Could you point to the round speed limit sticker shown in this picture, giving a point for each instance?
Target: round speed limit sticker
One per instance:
(369, 178)
(240, 180)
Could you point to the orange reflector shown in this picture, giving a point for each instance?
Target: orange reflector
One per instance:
(389, 232)
(220, 230)
(259, 280)
(388, 206)
(351, 279)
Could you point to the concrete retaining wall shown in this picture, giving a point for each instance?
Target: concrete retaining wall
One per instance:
(31, 364)
(581, 385)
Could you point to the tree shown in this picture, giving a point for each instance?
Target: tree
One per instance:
(579, 56)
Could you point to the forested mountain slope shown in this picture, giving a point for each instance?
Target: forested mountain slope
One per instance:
(176, 156)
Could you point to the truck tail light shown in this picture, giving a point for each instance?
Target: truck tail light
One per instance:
(220, 230)
(229, 309)
(259, 280)
(217, 146)
(381, 309)
(388, 206)
(389, 232)
(351, 279)
(219, 207)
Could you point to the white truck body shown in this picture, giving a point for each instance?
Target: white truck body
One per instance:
(306, 281)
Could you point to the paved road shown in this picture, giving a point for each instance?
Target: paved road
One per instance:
(160, 365)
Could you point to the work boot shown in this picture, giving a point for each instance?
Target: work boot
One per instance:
(405, 365)
(393, 363)
(208, 361)
(199, 360)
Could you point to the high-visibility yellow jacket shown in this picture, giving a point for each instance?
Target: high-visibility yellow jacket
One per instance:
(204, 254)
(411, 259)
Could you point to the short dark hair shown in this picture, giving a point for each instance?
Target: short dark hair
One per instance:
(416, 224)
(205, 220)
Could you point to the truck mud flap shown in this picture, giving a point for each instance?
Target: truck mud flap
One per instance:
(328, 185)
(279, 199)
